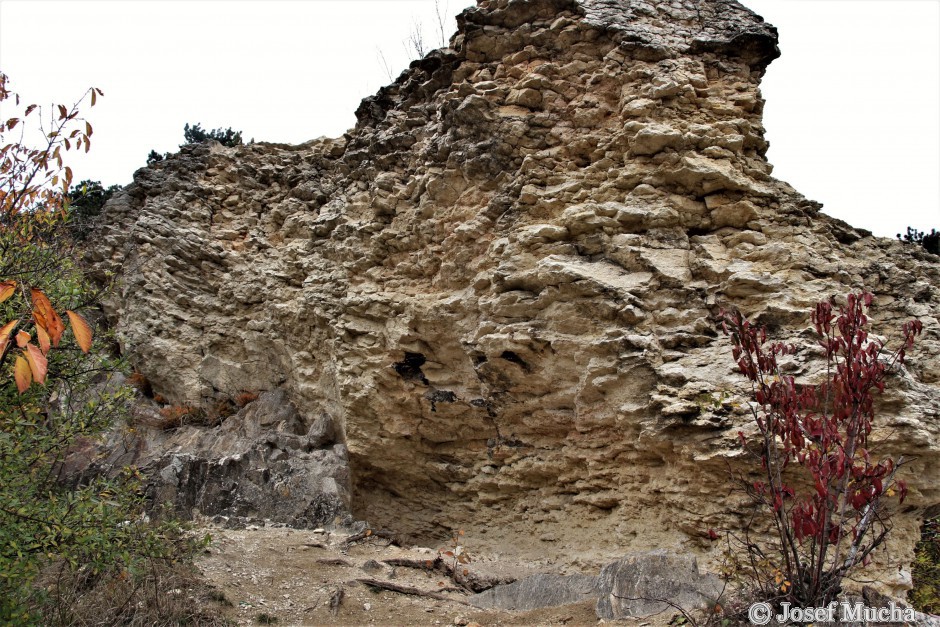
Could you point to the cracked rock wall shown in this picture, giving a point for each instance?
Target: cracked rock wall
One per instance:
(499, 286)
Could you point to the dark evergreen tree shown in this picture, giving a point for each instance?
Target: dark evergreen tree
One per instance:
(227, 137)
(930, 241)
(85, 202)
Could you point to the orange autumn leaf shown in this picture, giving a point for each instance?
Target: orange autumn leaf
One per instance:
(37, 363)
(46, 317)
(7, 289)
(43, 338)
(22, 374)
(23, 338)
(81, 329)
(5, 334)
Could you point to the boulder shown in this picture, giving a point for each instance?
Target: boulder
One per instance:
(654, 582)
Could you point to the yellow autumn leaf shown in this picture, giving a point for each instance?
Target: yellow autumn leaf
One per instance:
(81, 329)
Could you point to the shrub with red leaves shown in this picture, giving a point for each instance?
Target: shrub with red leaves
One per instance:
(824, 488)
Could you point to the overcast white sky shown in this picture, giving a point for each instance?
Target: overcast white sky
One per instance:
(853, 112)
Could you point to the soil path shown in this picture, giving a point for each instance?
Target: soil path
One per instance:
(283, 576)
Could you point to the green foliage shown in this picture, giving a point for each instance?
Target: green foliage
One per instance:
(85, 201)
(58, 542)
(925, 595)
(930, 241)
(195, 134)
(154, 157)
(89, 529)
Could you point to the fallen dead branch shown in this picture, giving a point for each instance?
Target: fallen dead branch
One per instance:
(372, 533)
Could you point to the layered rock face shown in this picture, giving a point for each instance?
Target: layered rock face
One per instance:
(500, 286)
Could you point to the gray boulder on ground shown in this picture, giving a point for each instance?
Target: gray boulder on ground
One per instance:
(542, 590)
(640, 585)
(637, 585)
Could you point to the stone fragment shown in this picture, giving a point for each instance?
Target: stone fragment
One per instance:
(529, 98)
(655, 138)
(736, 214)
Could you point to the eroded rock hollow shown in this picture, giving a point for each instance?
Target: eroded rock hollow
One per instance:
(498, 290)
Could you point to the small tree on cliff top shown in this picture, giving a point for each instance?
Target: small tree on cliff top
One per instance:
(823, 487)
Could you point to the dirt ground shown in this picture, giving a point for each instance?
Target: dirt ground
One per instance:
(282, 576)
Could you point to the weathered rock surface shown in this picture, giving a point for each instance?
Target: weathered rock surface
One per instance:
(264, 462)
(641, 585)
(536, 591)
(500, 286)
(634, 586)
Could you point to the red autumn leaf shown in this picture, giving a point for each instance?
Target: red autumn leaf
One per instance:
(22, 374)
(81, 329)
(37, 363)
(23, 338)
(902, 489)
(7, 289)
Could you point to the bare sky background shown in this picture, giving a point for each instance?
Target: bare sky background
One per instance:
(853, 111)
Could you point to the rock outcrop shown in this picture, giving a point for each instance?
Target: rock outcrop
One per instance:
(500, 286)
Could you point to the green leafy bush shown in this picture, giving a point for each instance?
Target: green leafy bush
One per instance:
(60, 543)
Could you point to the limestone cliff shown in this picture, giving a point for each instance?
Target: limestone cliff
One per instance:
(499, 287)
